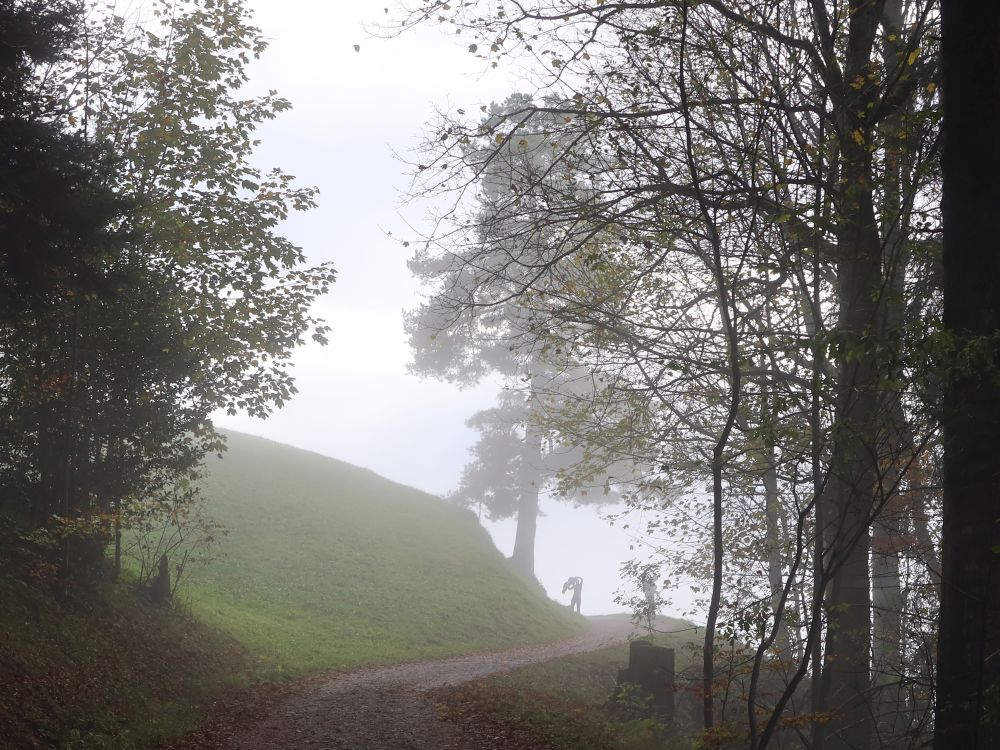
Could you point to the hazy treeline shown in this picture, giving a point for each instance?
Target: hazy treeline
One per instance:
(142, 284)
(710, 244)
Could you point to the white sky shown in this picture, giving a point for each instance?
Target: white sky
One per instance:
(356, 401)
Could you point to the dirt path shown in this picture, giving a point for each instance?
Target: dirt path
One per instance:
(385, 708)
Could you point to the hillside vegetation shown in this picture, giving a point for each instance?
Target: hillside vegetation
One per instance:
(105, 669)
(327, 565)
(324, 566)
(574, 702)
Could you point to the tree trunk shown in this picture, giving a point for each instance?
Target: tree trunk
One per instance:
(968, 707)
(887, 625)
(817, 445)
(529, 483)
(117, 571)
(773, 543)
(68, 504)
(846, 680)
(858, 415)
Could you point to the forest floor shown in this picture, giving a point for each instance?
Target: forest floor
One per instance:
(384, 708)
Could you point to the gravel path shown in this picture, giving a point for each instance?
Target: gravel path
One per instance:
(385, 708)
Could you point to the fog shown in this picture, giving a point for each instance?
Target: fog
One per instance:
(354, 114)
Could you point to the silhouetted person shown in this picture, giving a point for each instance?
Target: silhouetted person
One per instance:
(575, 583)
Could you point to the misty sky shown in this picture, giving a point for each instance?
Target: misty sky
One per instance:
(351, 111)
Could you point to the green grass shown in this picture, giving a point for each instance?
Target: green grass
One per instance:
(327, 565)
(565, 703)
(324, 566)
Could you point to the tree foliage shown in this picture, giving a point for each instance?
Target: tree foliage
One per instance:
(178, 298)
(736, 233)
(475, 322)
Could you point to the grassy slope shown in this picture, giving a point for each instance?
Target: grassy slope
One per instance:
(325, 565)
(328, 565)
(105, 671)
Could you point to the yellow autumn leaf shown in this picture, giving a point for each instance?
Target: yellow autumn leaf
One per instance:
(913, 56)
(858, 137)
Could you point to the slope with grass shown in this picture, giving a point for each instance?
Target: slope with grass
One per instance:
(105, 668)
(327, 565)
(324, 566)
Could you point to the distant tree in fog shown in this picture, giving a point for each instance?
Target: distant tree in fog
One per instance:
(473, 325)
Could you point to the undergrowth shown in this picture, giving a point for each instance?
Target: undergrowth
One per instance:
(569, 703)
(105, 668)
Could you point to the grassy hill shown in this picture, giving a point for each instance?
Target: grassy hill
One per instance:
(327, 565)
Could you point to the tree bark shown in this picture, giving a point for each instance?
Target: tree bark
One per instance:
(968, 699)
(857, 435)
(774, 545)
(846, 679)
(887, 608)
(523, 556)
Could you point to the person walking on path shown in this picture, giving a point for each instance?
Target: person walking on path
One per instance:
(575, 583)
